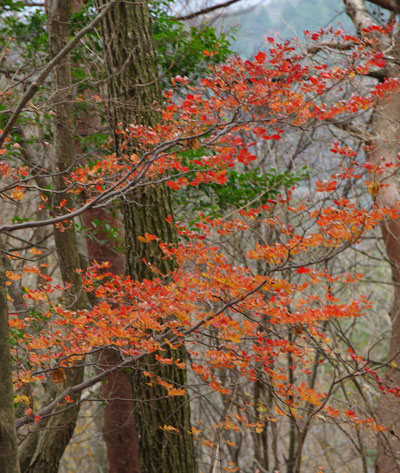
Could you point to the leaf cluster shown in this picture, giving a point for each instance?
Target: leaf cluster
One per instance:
(243, 186)
(187, 50)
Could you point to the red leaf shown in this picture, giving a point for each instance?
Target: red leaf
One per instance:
(173, 185)
(261, 57)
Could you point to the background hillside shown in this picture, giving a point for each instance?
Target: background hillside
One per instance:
(284, 18)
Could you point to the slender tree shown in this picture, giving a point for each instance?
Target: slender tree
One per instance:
(43, 449)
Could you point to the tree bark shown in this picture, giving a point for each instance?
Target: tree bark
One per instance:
(161, 451)
(43, 449)
(8, 438)
(385, 130)
(133, 89)
(119, 431)
(119, 424)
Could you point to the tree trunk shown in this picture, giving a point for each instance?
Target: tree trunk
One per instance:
(385, 130)
(8, 438)
(42, 451)
(133, 89)
(161, 451)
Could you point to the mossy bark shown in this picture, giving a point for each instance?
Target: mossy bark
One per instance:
(133, 91)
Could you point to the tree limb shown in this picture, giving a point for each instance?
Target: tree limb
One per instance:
(324, 45)
(392, 5)
(129, 362)
(359, 14)
(206, 10)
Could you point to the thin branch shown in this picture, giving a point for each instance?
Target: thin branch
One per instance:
(129, 362)
(50, 66)
(324, 45)
(206, 10)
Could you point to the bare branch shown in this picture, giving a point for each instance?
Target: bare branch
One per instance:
(324, 45)
(129, 362)
(392, 5)
(206, 10)
(34, 4)
(50, 66)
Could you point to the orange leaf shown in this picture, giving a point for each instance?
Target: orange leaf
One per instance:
(58, 375)
(176, 392)
(169, 428)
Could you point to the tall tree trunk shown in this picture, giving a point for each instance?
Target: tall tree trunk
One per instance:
(8, 438)
(43, 449)
(161, 451)
(385, 130)
(133, 89)
(119, 433)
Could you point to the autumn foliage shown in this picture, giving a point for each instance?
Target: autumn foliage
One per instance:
(250, 316)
